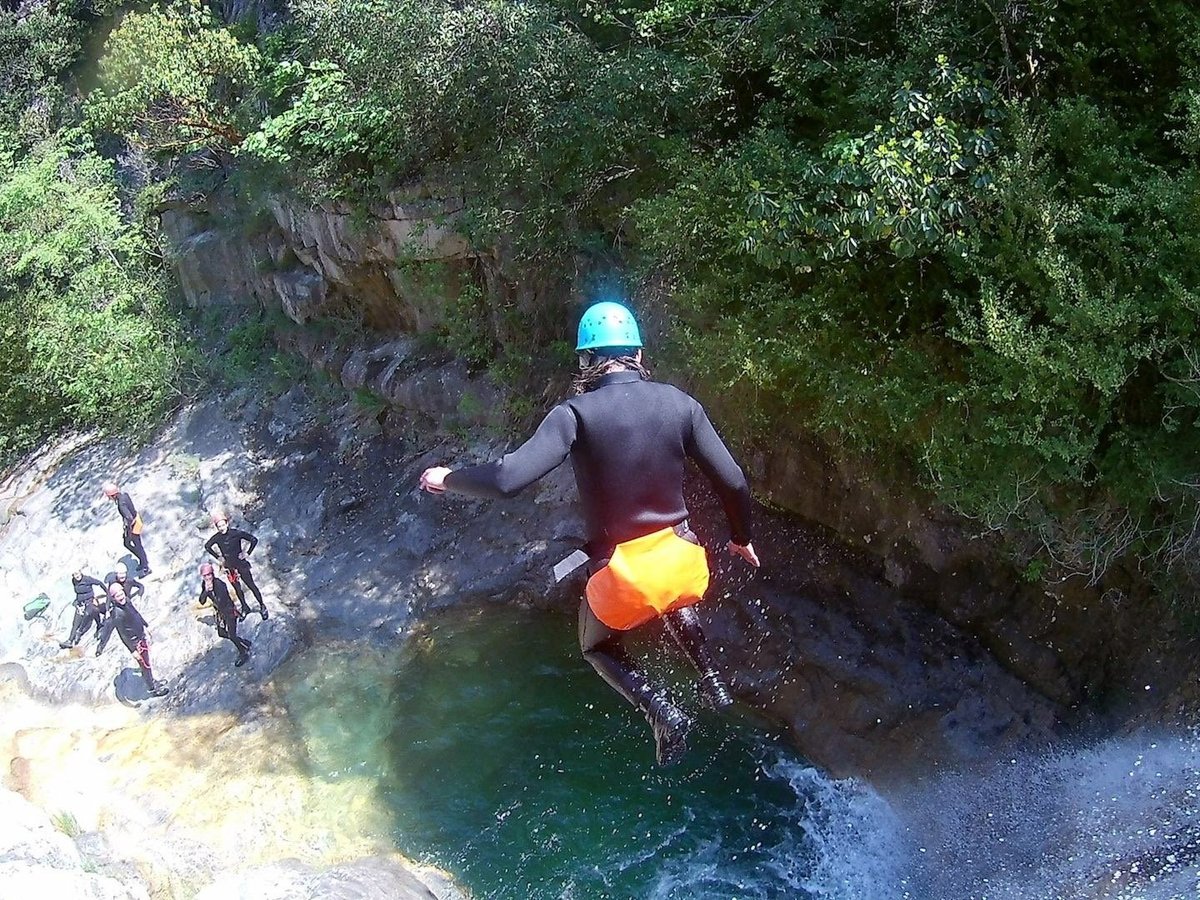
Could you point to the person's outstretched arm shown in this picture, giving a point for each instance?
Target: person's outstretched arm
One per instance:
(511, 474)
(727, 479)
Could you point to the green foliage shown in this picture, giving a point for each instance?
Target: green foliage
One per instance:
(173, 79)
(958, 236)
(36, 48)
(465, 331)
(66, 823)
(963, 272)
(511, 103)
(83, 316)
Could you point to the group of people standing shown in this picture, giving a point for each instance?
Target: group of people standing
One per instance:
(231, 547)
(108, 605)
(113, 610)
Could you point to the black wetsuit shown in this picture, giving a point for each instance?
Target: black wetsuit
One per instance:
(227, 547)
(629, 441)
(227, 614)
(133, 588)
(89, 609)
(131, 627)
(132, 542)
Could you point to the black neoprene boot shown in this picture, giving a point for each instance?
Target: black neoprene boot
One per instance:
(684, 626)
(153, 687)
(669, 722)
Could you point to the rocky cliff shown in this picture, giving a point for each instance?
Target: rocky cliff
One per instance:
(882, 626)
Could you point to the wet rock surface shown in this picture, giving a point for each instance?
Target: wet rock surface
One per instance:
(39, 856)
(822, 641)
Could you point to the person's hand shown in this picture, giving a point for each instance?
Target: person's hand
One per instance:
(746, 552)
(433, 479)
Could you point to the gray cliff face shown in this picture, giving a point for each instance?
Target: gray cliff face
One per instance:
(310, 262)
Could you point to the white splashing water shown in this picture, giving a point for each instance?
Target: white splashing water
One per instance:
(842, 843)
(855, 835)
(1117, 820)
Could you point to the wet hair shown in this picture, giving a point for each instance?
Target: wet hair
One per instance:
(594, 365)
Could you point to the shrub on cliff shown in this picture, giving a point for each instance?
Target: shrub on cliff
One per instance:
(87, 335)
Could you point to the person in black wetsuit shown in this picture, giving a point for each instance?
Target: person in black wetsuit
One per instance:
(131, 627)
(131, 535)
(134, 589)
(629, 440)
(89, 609)
(226, 546)
(213, 590)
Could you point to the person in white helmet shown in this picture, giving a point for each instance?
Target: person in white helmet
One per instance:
(134, 589)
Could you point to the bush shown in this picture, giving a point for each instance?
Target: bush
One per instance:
(85, 317)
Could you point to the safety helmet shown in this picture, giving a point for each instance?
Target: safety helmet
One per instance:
(110, 488)
(116, 589)
(218, 515)
(607, 324)
(205, 569)
(122, 570)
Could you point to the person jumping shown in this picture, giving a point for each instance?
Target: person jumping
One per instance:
(629, 440)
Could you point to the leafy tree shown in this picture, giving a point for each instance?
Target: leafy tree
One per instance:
(172, 78)
(84, 319)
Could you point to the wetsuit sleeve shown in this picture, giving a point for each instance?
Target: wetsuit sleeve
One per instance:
(211, 547)
(250, 539)
(203, 598)
(94, 582)
(508, 476)
(135, 589)
(725, 475)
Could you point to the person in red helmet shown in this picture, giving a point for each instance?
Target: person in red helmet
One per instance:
(213, 590)
(232, 548)
(134, 589)
(131, 535)
(629, 440)
(124, 618)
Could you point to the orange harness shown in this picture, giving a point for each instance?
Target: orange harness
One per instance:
(647, 577)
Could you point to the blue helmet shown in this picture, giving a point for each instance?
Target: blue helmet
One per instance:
(606, 325)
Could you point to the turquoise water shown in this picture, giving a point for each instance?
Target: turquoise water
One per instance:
(501, 757)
